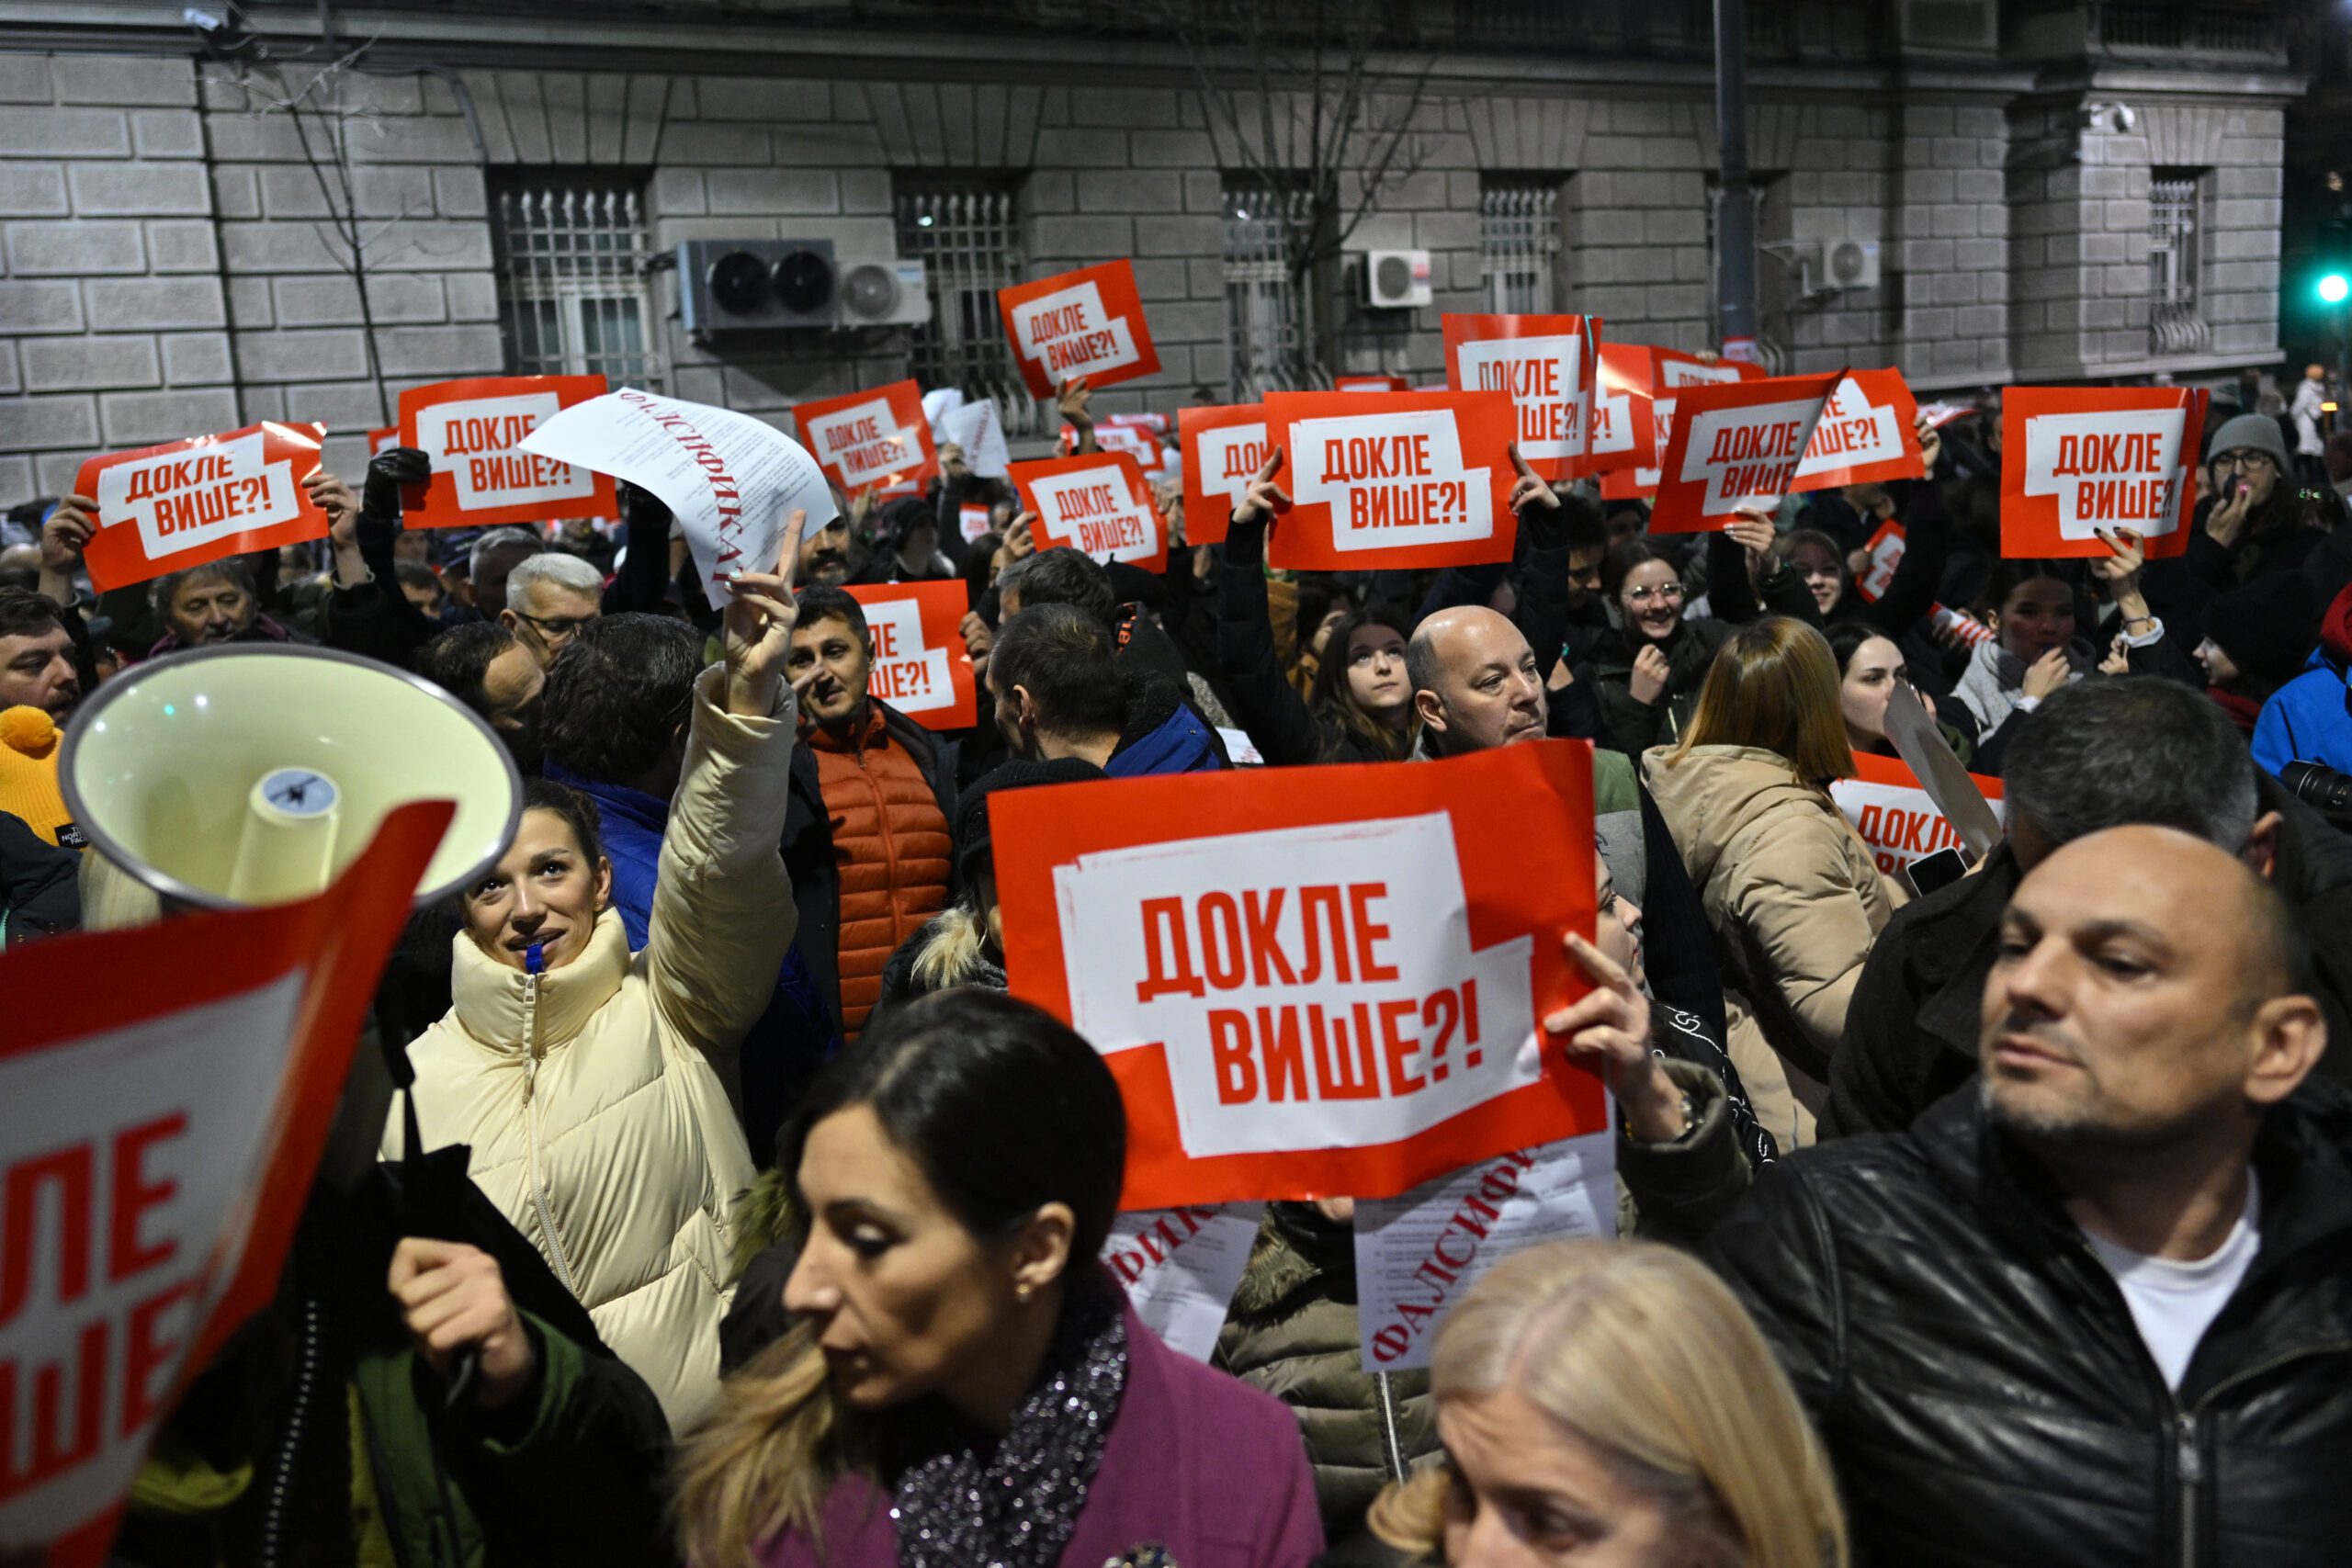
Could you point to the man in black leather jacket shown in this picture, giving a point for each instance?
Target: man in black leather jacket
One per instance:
(2099, 754)
(2098, 1308)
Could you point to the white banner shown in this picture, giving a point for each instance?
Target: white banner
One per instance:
(1181, 1267)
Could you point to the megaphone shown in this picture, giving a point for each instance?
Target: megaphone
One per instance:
(246, 773)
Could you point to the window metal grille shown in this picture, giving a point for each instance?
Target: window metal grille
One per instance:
(1518, 244)
(2175, 324)
(968, 240)
(1269, 324)
(571, 282)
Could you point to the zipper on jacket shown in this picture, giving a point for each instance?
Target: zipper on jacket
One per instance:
(889, 846)
(310, 1351)
(531, 1132)
(2189, 1474)
(1389, 1442)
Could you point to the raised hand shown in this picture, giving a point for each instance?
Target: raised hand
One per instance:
(1527, 490)
(1651, 672)
(1264, 497)
(755, 630)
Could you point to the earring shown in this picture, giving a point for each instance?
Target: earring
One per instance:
(1021, 1294)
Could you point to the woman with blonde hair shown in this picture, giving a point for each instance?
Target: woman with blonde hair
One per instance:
(1793, 894)
(1612, 1403)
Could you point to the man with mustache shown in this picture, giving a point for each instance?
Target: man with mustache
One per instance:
(2096, 1307)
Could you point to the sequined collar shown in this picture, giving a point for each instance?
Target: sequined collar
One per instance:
(1014, 1502)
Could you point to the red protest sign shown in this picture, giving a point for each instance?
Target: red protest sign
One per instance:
(384, 440)
(1138, 441)
(1408, 479)
(1370, 384)
(1894, 815)
(1668, 370)
(1336, 991)
(1098, 504)
(1736, 447)
(1885, 550)
(1866, 434)
(167, 1102)
(473, 432)
(1089, 323)
(1548, 365)
(972, 521)
(920, 665)
(1624, 430)
(1223, 449)
(2076, 459)
(878, 436)
(186, 503)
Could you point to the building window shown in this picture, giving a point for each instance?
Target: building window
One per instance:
(1519, 244)
(1269, 325)
(571, 258)
(2176, 214)
(967, 238)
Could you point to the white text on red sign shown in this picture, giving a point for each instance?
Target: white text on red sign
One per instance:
(475, 441)
(187, 499)
(1392, 479)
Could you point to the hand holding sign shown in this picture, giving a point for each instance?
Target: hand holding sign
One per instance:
(1609, 1030)
(755, 628)
(1070, 399)
(1753, 532)
(453, 1300)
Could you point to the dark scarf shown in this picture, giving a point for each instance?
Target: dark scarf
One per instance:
(1012, 1502)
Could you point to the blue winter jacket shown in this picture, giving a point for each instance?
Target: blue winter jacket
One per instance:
(2308, 720)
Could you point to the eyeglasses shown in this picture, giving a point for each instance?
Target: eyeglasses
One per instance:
(1671, 594)
(2247, 462)
(555, 627)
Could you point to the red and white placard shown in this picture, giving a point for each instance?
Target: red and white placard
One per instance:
(1548, 365)
(1098, 504)
(1865, 436)
(160, 1114)
(920, 665)
(1089, 323)
(1313, 992)
(1894, 815)
(877, 437)
(2076, 459)
(185, 503)
(1138, 441)
(482, 476)
(1735, 449)
(1669, 370)
(1223, 449)
(1624, 430)
(1408, 479)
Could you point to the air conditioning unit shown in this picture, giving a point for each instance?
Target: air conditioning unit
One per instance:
(1396, 281)
(882, 291)
(757, 285)
(1849, 263)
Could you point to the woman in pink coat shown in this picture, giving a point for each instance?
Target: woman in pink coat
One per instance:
(965, 1384)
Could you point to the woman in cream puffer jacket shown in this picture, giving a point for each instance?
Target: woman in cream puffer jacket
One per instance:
(595, 1093)
(1794, 895)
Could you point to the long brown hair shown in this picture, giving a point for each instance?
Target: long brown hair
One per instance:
(1774, 687)
(1332, 694)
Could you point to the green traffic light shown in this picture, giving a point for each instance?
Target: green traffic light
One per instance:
(2334, 287)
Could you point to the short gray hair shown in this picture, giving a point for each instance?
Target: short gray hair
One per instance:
(555, 570)
(502, 539)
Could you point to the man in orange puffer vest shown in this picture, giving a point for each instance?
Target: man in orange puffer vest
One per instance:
(866, 841)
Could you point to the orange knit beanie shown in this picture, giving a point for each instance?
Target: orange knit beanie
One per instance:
(29, 743)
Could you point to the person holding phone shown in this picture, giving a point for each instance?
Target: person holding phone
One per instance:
(2254, 523)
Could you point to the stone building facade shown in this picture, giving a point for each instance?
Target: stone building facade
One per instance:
(2055, 193)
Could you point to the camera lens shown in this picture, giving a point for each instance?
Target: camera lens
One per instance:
(2319, 786)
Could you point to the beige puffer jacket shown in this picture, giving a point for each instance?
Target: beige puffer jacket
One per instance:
(1795, 901)
(596, 1096)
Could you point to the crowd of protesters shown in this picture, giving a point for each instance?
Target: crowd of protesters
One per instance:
(2004, 1222)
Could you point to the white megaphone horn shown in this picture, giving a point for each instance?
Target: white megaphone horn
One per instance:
(245, 774)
